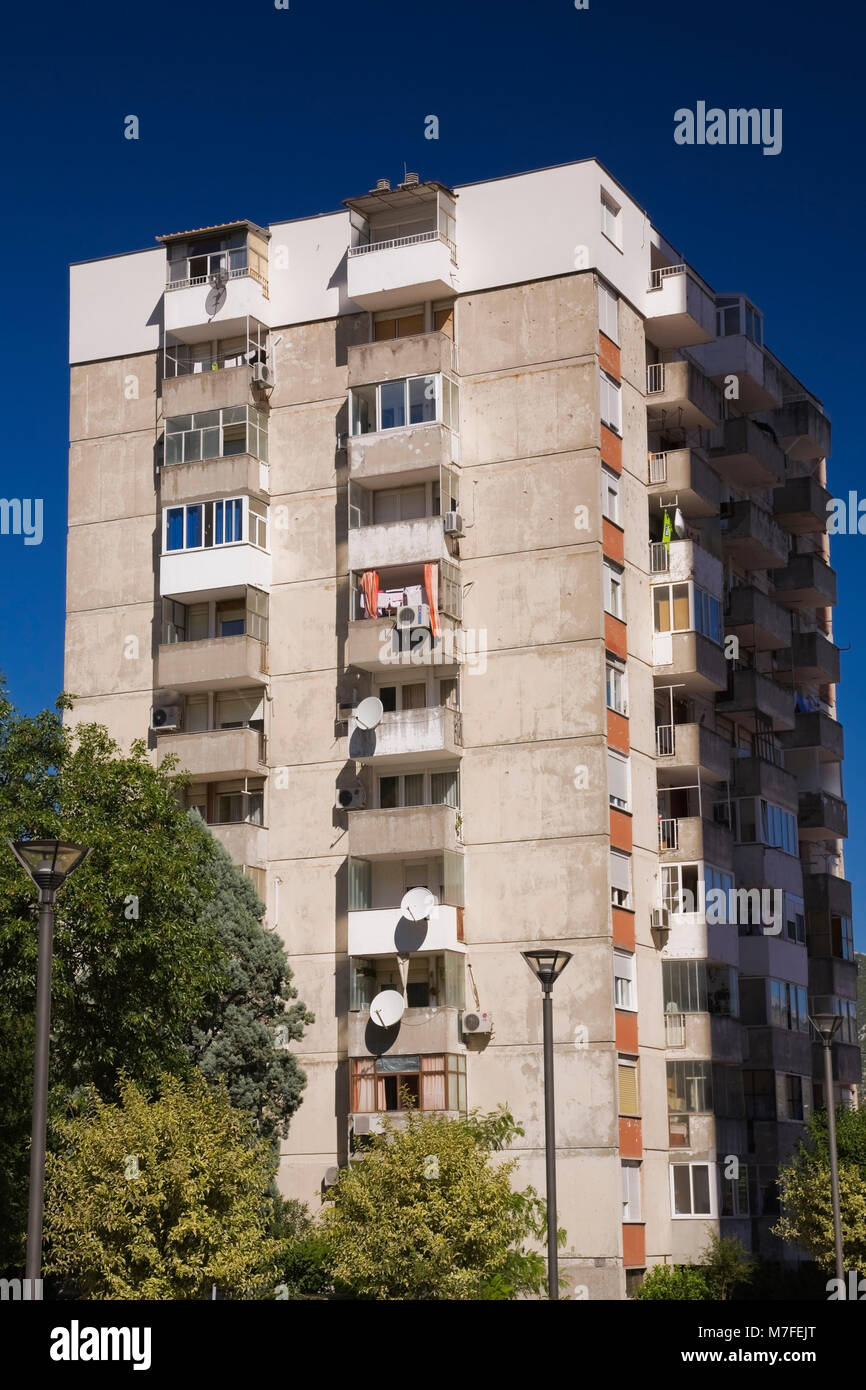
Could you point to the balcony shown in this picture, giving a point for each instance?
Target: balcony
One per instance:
(378, 931)
(752, 538)
(679, 395)
(217, 754)
(752, 693)
(423, 736)
(195, 575)
(378, 645)
(418, 354)
(759, 777)
(229, 476)
(689, 660)
(746, 454)
(812, 659)
(806, 581)
(759, 381)
(680, 309)
(801, 505)
(246, 843)
(815, 729)
(693, 748)
(822, 817)
(216, 277)
(390, 274)
(684, 560)
(428, 1031)
(397, 543)
(685, 473)
(803, 429)
(704, 1035)
(827, 894)
(757, 620)
(689, 838)
(215, 663)
(404, 831)
(412, 454)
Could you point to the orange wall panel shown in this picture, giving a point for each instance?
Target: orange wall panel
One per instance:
(630, 1138)
(620, 830)
(617, 731)
(626, 1031)
(611, 449)
(609, 356)
(623, 927)
(615, 635)
(633, 1247)
(613, 541)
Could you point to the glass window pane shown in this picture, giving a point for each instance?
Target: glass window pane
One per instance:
(389, 792)
(701, 1189)
(682, 1190)
(192, 446)
(193, 526)
(173, 448)
(174, 529)
(392, 404)
(662, 609)
(681, 607)
(210, 444)
(413, 789)
(422, 399)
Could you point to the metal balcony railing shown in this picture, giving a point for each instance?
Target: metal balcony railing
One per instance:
(669, 833)
(658, 468)
(660, 557)
(655, 378)
(675, 1030)
(415, 240)
(665, 740)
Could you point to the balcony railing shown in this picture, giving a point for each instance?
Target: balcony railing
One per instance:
(665, 740)
(418, 237)
(215, 266)
(669, 836)
(660, 557)
(655, 377)
(675, 1030)
(658, 468)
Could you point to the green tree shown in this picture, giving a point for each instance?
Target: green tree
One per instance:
(428, 1214)
(160, 1199)
(242, 1037)
(675, 1282)
(804, 1190)
(303, 1257)
(727, 1267)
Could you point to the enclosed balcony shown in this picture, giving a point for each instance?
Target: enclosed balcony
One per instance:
(377, 888)
(813, 659)
(214, 549)
(756, 619)
(404, 245)
(815, 729)
(685, 474)
(679, 308)
(203, 372)
(822, 816)
(756, 699)
(738, 351)
(801, 505)
(751, 537)
(215, 275)
(803, 428)
(390, 1085)
(404, 616)
(746, 454)
(679, 395)
(687, 835)
(408, 427)
(394, 359)
(827, 895)
(806, 581)
(400, 526)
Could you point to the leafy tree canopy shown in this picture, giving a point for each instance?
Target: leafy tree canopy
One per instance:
(804, 1190)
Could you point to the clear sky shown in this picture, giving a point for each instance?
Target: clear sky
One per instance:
(249, 111)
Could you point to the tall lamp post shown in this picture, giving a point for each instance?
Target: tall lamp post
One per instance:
(827, 1025)
(49, 863)
(547, 966)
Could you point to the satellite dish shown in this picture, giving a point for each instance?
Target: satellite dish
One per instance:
(387, 1008)
(216, 295)
(679, 523)
(417, 904)
(369, 712)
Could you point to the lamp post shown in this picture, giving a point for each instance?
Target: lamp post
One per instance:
(547, 966)
(827, 1025)
(49, 863)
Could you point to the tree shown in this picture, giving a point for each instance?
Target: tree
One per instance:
(674, 1282)
(241, 1038)
(302, 1260)
(727, 1267)
(427, 1214)
(804, 1190)
(160, 1199)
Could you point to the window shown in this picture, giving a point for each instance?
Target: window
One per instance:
(236, 804)
(608, 312)
(788, 1007)
(432, 1083)
(716, 880)
(610, 404)
(762, 822)
(360, 885)
(618, 780)
(847, 1010)
(629, 1098)
(613, 590)
(759, 1094)
(723, 991)
(735, 1193)
(620, 879)
(615, 685)
(692, 1189)
(671, 608)
(202, 525)
(399, 325)
(625, 980)
(206, 434)
(690, 1088)
(414, 400)
(684, 984)
(610, 496)
(679, 883)
(792, 1098)
(708, 615)
(631, 1206)
(420, 789)
(611, 219)
(841, 937)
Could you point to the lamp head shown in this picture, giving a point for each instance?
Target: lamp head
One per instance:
(826, 1024)
(547, 964)
(48, 862)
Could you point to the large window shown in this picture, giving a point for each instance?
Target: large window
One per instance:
(231, 617)
(735, 1193)
(229, 521)
(762, 822)
(708, 615)
(419, 789)
(414, 400)
(611, 219)
(618, 780)
(788, 1007)
(625, 980)
(847, 1010)
(608, 312)
(692, 1189)
(690, 1088)
(679, 885)
(393, 1082)
(610, 403)
(841, 936)
(208, 434)
(433, 981)
(684, 607)
(631, 1203)
(615, 686)
(791, 1107)
(613, 582)
(620, 879)
(693, 986)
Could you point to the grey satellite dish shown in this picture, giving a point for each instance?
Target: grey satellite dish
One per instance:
(369, 712)
(216, 295)
(417, 904)
(387, 1008)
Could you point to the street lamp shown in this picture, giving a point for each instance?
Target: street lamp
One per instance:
(827, 1025)
(49, 863)
(547, 965)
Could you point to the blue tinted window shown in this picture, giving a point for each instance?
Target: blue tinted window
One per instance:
(174, 537)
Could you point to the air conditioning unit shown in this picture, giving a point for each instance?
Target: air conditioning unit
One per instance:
(661, 919)
(475, 1023)
(351, 798)
(453, 524)
(164, 717)
(330, 1178)
(263, 374)
(413, 615)
(367, 1124)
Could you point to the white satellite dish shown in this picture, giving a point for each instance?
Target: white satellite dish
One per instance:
(387, 1008)
(417, 904)
(369, 712)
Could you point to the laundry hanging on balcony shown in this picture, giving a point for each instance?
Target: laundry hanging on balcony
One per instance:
(431, 588)
(370, 590)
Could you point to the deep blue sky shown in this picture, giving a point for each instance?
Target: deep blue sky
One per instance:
(247, 111)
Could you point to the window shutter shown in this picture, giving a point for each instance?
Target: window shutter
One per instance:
(617, 777)
(620, 871)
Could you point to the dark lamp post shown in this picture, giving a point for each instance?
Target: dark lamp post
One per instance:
(547, 965)
(827, 1026)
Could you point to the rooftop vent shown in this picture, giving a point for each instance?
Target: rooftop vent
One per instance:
(382, 186)
(410, 181)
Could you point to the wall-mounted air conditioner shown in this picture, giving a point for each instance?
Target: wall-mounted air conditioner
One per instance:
(351, 798)
(660, 919)
(367, 1124)
(263, 374)
(477, 1022)
(163, 717)
(453, 524)
(413, 615)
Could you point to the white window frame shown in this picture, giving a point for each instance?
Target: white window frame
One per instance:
(254, 524)
(610, 401)
(619, 684)
(625, 969)
(713, 1193)
(615, 757)
(610, 499)
(736, 1186)
(608, 312)
(632, 1207)
(611, 219)
(613, 581)
(620, 897)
